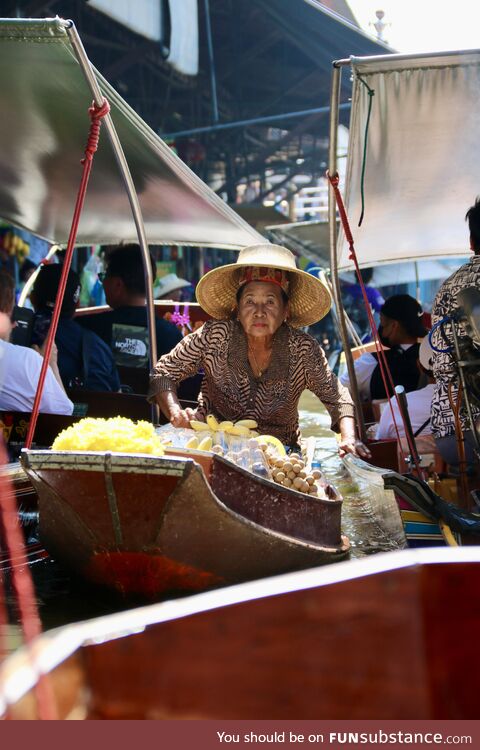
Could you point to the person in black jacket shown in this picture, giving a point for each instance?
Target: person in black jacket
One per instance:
(124, 327)
(401, 327)
(84, 360)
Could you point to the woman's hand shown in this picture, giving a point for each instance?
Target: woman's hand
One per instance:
(181, 417)
(172, 409)
(350, 444)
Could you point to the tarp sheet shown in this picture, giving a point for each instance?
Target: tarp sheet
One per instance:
(311, 239)
(422, 156)
(43, 132)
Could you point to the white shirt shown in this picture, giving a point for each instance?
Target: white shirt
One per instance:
(419, 404)
(364, 367)
(19, 373)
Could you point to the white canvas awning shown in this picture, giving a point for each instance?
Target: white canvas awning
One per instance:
(422, 169)
(43, 131)
(311, 239)
(410, 272)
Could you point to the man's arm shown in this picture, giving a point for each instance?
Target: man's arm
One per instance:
(54, 399)
(53, 362)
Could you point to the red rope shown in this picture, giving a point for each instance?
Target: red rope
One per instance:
(382, 361)
(96, 114)
(23, 586)
(3, 597)
(30, 621)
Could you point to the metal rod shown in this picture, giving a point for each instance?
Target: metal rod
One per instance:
(403, 407)
(401, 57)
(332, 223)
(211, 61)
(460, 366)
(351, 328)
(253, 121)
(417, 282)
(131, 193)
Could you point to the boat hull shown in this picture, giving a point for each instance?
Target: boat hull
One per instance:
(149, 526)
(368, 639)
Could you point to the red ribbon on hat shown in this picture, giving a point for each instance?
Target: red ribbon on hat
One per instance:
(271, 275)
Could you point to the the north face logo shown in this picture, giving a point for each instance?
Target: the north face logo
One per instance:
(135, 347)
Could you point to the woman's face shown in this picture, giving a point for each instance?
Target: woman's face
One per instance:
(261, 309)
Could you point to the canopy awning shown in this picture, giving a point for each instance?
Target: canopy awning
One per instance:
(311, 239)
(422, 158)
(307, 238)
(410, 272)
(43, 132)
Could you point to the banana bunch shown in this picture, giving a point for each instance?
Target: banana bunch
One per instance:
(201, 445)
(242, 428)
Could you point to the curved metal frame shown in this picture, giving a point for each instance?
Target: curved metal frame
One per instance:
(131, 192)
(332, 166)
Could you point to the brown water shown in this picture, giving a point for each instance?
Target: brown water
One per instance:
(62, 600)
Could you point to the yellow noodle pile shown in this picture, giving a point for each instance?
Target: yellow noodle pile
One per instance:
(119, 435)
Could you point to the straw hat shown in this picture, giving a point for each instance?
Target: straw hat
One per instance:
(309, 298)
(168, 284)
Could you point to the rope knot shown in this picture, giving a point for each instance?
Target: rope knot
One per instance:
(334, 179)
(96, 114)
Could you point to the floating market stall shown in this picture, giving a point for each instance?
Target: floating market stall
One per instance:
(106, 513)
(159, 520)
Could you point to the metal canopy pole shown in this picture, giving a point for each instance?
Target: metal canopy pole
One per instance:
(131, 192)
(332, 222)
(213, 81)
(253, 121)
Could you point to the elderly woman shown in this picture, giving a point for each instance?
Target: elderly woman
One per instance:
(256, 362)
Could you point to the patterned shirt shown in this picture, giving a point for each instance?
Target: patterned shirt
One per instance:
(230, 389)
(444, 369)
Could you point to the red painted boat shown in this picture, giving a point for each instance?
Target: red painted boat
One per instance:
(151, 525)
(372, 638)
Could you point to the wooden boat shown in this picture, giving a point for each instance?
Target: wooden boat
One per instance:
(149, 526)
(368, 639)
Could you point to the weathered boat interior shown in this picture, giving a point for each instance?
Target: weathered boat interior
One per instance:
(147, 525)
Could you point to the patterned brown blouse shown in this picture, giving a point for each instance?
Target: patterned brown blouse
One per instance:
(230, 389)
